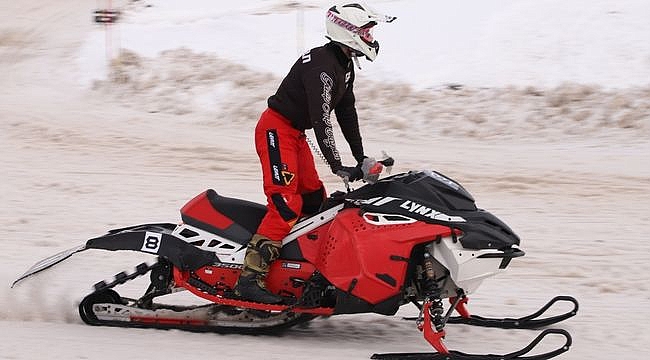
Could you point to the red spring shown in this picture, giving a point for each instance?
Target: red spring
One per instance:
(432, 336)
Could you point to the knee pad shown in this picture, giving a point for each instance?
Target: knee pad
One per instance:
(312, 201)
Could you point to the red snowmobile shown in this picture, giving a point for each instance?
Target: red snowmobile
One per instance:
(414, 237)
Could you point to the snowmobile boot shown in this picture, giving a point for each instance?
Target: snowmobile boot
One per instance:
(261, 252)
(251, 287)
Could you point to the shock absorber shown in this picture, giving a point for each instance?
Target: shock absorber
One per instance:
(432, 292)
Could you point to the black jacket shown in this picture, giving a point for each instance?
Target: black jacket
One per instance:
(319, 82)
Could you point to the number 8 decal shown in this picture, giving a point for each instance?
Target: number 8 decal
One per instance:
(151, 242)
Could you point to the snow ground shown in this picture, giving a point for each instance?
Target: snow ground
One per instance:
(549, 131)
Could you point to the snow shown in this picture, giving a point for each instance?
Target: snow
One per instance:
(547, 126)
(479, 43)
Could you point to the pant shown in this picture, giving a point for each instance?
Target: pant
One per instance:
(291, 183)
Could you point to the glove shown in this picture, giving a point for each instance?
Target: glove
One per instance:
(350, 173)
(371, 169)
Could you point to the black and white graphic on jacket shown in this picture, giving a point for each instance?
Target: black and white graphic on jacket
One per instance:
(326, 95)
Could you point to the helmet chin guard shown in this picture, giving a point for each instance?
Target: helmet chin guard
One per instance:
(352, 24)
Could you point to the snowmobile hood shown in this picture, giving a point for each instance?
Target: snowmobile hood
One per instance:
(429, 188)
(432, 197)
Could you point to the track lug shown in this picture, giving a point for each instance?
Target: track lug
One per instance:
(142, 269)
(121, 277)
(100, 286)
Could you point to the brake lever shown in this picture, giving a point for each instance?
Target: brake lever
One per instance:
(388, 162)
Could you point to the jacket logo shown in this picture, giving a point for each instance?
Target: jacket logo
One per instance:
(306, 57)
(276, 174)
(271, 138)
(287, 177)
(275, 158)
(328, 84)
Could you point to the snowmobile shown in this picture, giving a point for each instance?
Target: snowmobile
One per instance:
(409, 238)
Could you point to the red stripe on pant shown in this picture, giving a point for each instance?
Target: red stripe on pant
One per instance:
(288, 172)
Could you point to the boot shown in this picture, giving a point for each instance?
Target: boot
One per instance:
(260, 253)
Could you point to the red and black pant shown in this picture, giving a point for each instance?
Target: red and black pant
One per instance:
(291, 183)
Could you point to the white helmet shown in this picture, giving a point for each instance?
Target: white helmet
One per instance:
(351, 25)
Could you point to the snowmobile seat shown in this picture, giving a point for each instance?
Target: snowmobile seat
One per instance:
(248, 214)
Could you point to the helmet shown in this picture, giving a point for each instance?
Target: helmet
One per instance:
(351, 25)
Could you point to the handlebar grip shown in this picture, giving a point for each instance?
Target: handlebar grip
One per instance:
(387, 162)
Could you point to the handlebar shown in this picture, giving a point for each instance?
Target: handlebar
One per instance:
(372, 169)
(388, 162)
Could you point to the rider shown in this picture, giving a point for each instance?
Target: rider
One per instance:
(320, 81)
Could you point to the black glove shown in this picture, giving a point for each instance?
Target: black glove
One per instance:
(351, 173)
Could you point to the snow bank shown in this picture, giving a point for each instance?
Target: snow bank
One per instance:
(182, 81)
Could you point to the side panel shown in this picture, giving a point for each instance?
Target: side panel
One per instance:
(468, 268)
(367, 259)
(285, 276)
(310, 242)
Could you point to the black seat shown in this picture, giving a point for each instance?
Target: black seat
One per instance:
(248, 214)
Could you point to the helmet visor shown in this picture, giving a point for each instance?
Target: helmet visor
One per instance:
(365, 32)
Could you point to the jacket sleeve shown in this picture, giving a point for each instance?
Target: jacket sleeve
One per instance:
(346, 115)
(319, 84)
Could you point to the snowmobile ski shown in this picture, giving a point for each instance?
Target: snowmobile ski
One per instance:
(526, 322)
(517, 355)
(531, 321)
